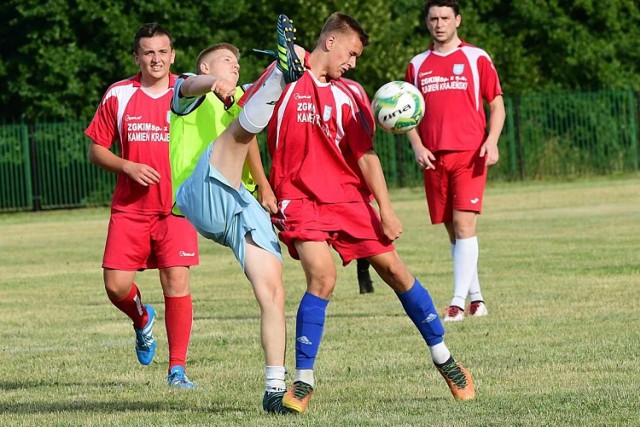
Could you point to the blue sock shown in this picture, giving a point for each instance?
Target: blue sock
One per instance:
(309, 328)
(419, 306)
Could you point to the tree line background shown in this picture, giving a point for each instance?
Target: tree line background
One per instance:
(58, 57)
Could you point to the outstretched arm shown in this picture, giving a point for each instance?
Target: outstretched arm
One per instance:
(201, 84)
(371, 169)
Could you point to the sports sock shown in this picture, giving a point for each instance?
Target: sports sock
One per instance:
(465, 266)
(304, 375)
(132, 306)
(274, 378)
(309, 328)
(258, 109)
(419, 307)
(439, 353)
(178, 319)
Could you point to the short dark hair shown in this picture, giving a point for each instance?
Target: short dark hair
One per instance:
(151, 29)
(213, 48)
(343, 23)
(453, 4)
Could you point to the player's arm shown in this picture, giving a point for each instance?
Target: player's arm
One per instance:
(424, 157)
(371, 170)
(104, 158)
(266, 197)
(202, 84)
(497, 116)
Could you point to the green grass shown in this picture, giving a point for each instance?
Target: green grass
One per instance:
(560, 268)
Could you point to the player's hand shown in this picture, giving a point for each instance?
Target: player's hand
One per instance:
(223, 89)
(267, 199)
(142, 174)
(391, 225)
(490, 152)
(424, 158)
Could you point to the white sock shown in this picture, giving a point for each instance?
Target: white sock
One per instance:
(275, 378)
(474, 289)
(258, 109)
(465, 266)
(304, 375)
(439, 353)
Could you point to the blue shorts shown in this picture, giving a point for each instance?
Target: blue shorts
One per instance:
(224, 214)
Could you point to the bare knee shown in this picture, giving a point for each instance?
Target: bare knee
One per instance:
(322, 284)
(175, 281)
(117, 283)
(393, 271)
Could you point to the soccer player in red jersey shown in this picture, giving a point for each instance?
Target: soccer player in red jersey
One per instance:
(142, 232)
(451, 143)
(324, 174)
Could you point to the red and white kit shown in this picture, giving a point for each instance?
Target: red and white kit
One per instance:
(453, 86)
(316, 136)
(453, 129)
(144, 138)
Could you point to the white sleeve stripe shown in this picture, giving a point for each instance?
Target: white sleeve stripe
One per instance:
(473, 54)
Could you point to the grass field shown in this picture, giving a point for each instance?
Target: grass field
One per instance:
(560, 269)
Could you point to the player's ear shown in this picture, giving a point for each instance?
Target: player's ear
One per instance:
(330, 41)
(173, 56)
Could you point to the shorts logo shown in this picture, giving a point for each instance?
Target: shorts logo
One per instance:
(458, 69)
(474, 201)
(189, 254)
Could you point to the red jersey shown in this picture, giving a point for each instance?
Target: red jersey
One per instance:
(454, 85)
(139, 121)
(363, 102)
(316, 135)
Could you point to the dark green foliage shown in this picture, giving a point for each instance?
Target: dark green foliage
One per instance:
(58, 57)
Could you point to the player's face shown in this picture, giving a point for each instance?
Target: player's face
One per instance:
(223, 64)
(344, 51)
(154, 57)
(442, 23)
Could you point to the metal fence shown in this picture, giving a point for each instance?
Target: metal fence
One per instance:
(45, 165)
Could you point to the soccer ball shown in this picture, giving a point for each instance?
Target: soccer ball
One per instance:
(398, 107)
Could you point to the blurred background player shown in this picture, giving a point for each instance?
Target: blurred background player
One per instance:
(324, 173)
(142, 232)
(452, 145)
(199, 116)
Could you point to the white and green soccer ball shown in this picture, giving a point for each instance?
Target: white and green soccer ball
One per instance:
(398, 107)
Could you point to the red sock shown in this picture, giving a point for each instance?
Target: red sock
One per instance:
(178, 318)
(131, 305)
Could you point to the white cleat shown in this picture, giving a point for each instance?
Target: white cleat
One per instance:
(453, 313)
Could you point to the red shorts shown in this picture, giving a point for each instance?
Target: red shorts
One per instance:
(457, 182)
(353, 229)
(138, 242)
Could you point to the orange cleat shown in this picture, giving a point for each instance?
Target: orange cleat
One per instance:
(297, 397)
(458, 379)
